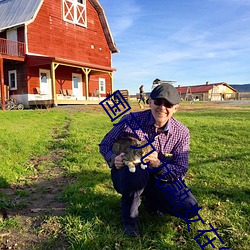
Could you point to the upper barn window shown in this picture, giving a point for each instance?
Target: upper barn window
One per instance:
(74, 11)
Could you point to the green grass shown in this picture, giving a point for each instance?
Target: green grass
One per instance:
(24, 135)
(218, 177)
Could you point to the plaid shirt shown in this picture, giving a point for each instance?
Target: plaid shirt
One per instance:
(173, 140)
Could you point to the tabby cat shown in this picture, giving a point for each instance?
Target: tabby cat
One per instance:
(132, 156)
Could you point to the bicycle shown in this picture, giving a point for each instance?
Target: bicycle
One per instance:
(12, 104)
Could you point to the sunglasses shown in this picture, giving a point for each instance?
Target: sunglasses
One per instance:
(159, 102)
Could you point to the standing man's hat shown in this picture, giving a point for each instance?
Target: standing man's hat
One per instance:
(166, 91)
(156, 81)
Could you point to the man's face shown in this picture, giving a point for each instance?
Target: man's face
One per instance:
(162, 110)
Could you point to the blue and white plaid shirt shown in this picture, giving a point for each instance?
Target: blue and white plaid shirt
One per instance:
(174, 139)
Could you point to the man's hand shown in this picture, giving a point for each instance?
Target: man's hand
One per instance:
(154, 161)
(119, 161)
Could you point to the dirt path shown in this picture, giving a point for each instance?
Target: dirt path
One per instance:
(33, 205)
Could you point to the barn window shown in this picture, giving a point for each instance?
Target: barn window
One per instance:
(74, 11)
(102, 86)
(43, 77)
(12, 80)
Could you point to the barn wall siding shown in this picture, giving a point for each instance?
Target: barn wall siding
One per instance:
(33, 79)
(20, 34)
(50, 35)
(94, 84)
(21, 77)
(63, 77)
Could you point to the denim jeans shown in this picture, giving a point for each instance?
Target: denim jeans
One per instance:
(142, 183)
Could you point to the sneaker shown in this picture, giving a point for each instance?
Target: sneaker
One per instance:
(131, 230)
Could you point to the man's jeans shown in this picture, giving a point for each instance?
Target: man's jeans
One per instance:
(132, 185)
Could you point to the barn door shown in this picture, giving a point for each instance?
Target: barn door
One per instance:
(45, 83)
(77, 85)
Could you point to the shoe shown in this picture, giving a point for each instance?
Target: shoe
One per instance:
(131, 230)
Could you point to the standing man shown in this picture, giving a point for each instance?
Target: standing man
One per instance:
(142, 98)
(171, 141)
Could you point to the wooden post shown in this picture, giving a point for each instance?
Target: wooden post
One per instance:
(53, 79)
(112, 82)
(86, 72)
(2, 84)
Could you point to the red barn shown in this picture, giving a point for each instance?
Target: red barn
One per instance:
(56, 52)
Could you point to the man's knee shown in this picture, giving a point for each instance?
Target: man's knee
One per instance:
(129, 182)
(188, 210)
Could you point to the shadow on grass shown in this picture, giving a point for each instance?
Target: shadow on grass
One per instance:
(94, 218)
(222, 194)
(234, 157)
(3, 182)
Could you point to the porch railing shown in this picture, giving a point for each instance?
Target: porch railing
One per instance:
(12, 48)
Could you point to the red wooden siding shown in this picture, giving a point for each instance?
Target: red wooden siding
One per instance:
(20, 34)
(21, 77)
(94, 84)
(64, 79)
(51, 36)
(33, 78)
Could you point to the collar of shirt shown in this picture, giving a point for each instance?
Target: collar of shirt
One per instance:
(152, 122)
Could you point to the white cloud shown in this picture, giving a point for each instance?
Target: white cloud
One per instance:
(122, 15)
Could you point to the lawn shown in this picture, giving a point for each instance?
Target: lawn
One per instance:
(218, 177)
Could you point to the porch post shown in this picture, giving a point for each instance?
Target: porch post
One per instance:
(53, 83)
(112, 82)
(53, 79)
(2, 84)
(86, 72)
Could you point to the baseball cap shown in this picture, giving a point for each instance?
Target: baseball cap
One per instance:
(166, 91)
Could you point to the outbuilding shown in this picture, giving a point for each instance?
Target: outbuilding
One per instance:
(207, 92)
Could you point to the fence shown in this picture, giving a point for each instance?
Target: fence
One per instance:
(217, 96)
(13, 48)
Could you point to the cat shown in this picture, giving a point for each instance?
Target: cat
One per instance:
(132, 156)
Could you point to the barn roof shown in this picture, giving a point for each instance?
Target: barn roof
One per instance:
(201, 88)
(18, 12)
(105, 25)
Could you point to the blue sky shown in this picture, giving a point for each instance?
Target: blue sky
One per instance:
(188, 41)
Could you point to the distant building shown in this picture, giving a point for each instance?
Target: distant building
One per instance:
(207, 92)
(157, 82)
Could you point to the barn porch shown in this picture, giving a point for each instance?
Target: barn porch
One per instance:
(61, 90)
(50, 103)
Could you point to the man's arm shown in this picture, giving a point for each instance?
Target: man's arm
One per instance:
(174, 167)
(178, 163)
(106, 144)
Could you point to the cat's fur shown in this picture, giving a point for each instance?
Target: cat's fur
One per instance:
(132, 156)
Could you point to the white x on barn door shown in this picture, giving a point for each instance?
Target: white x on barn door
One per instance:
(74, 11)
